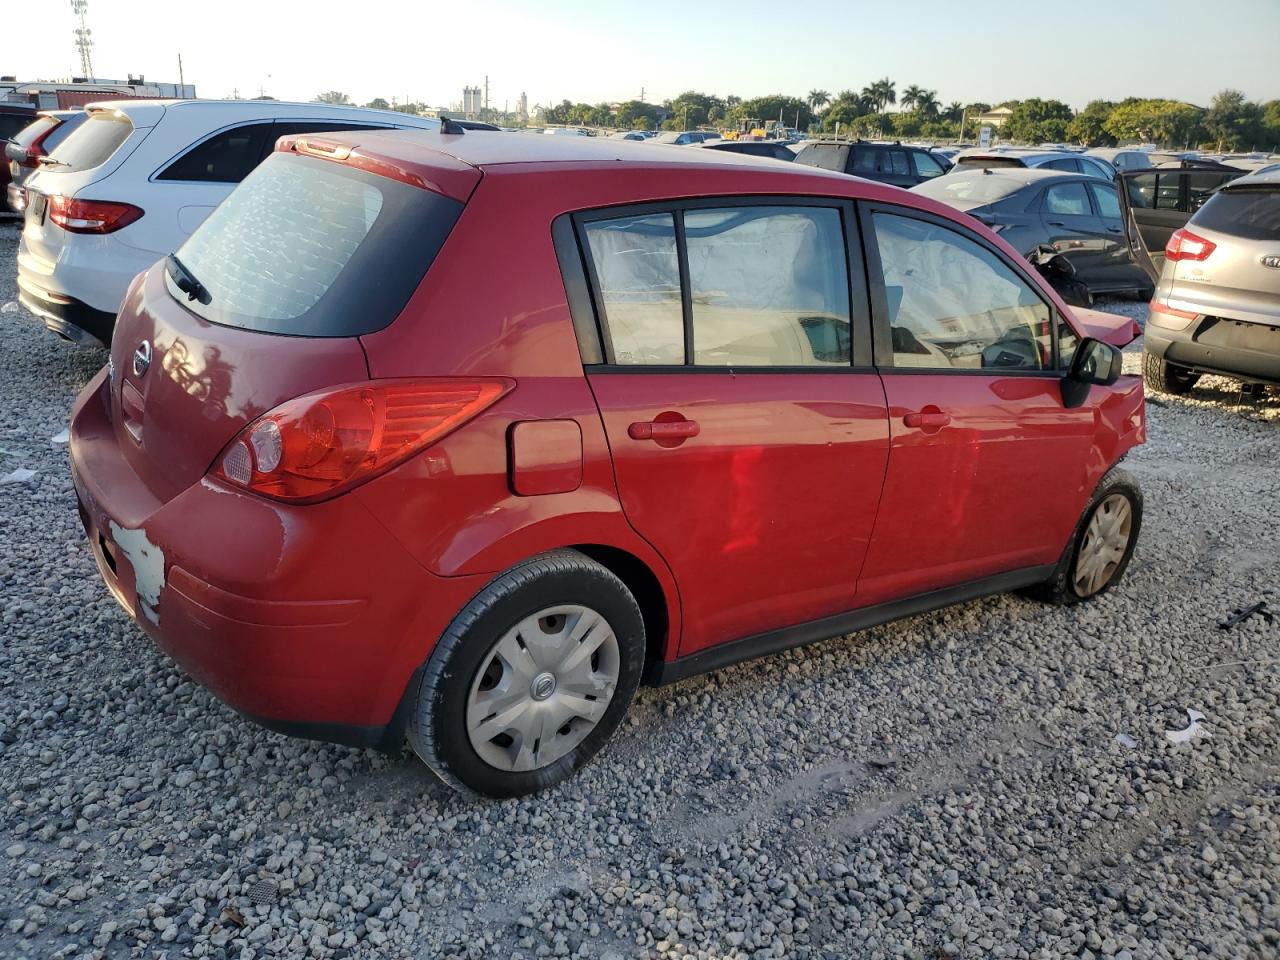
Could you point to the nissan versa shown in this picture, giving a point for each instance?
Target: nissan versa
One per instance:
(463, 437)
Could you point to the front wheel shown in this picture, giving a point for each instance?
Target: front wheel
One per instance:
(1102, 544)
(531, 678)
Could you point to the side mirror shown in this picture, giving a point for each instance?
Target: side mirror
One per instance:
(1095, 362)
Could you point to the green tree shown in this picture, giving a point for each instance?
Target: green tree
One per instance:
(1271, 125)
(778, 106)
(954, 111)
(1234, 122)
(910, 97)
(928, 105)
(377, 103)
(693, 109)
(1037, 120)
(847, 107)
(1164, 122)
(332, 96)
(636, 115)
(818, 99)
(1089, 126)
(881, 93)
(905, 123)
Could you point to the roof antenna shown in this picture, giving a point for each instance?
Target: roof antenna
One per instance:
(447, 125)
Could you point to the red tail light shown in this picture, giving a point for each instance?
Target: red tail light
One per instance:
(321, 444)
(1185, 245)
(91, 216)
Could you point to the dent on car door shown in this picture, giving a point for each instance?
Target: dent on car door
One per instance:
(987, 466)
(748, 449)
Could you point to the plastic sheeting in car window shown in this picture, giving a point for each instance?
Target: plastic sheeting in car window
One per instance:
(638, 272)
(953, 303)
(769, 286)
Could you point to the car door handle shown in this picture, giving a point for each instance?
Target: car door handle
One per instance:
(927, 419)
(663, 429)
(1114, 230)
(1055, 223)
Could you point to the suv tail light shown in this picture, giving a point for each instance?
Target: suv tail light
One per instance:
(91, 216)
(319, 445)
(1185, 245)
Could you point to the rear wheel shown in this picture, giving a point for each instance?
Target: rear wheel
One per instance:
(1102, 544)
(531, 678)
(1166, 377)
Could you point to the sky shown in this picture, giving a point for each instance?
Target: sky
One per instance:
(604, 50)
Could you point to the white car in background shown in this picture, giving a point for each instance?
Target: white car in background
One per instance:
(132, 183)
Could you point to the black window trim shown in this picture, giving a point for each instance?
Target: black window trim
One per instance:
(592, 340)
(157, 174)
(880, 304)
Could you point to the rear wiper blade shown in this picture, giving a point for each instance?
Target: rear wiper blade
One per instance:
(50, 162)
(186, 280)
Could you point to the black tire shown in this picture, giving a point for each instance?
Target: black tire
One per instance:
(1059, 588)
(1166, 377)
(437, 720)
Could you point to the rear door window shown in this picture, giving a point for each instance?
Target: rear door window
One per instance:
(92, 143)
(225, 157)
(1107, 199)
(1067, 200)
(895, 163)
(769, 286)
(11, 124)
(308, 247)
(865, 160)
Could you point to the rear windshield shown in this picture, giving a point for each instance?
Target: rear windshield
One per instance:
(27, 134)
(985, 163)
(91, 144)
(824, 156)
(311, 248)
(11, 124)
(977, 189)
(1249, 214)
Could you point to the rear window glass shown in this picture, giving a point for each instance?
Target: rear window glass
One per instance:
(11, 124)
(823, 156)
(982, 163)
(1248, 214)
(27, 134)
(91, 144)
(307, 247)
(980, 187)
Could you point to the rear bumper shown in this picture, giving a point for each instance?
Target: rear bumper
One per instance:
(1245, 351)
(310, 620)
(66, 316)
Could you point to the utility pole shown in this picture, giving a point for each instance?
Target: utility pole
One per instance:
(642, 100)
(181, 80)
(486, 91)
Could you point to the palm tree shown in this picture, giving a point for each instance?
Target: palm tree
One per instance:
(818, 99)
(927, 104)
(954, 111)
(881, 93)
(911, 96)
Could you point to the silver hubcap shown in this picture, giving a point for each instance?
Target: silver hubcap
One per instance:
(542, 688)
(1105, 541)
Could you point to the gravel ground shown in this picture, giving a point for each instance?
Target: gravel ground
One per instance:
(993, 780)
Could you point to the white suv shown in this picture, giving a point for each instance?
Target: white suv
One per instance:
(131, 184)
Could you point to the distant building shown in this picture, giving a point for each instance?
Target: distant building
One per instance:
(995, 118)
(472, 101)
(66, 93)
(522, 107)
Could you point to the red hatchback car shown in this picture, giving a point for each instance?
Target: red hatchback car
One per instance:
(465, 436)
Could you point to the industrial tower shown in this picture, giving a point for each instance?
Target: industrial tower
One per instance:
(84, 38)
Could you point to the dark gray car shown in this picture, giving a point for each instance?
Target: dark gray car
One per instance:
(893, 163)
(1076, 216)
